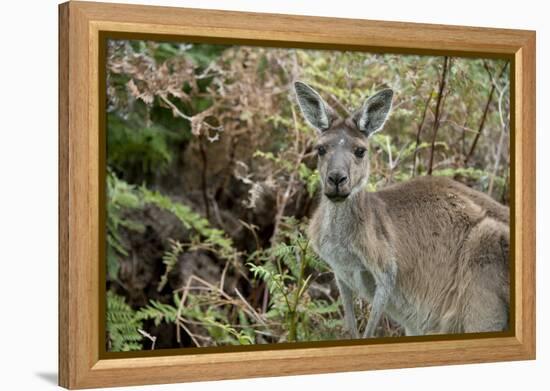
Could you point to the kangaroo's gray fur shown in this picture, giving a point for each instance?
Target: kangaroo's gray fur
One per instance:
(431, 253)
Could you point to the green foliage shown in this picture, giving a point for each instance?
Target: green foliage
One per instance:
(198, 311)
(123, 197)
(159, 312)
(277, 159)
(120, 197)
(310, 178)
(286, 268)
(204, 54)
(135, 147)
(481, 177)
(170, 259)
(123, 324)
(206, 236)
(216, 322)
(219, 124)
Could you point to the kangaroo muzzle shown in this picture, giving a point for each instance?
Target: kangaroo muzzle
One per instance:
(337, 185)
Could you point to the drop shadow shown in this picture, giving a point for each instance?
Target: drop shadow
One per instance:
(49, 377)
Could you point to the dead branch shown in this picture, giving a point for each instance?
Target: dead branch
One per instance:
(504, 129)
(438, 109)
(485, 111)
(247, 304)
(196, 120)
(419, 131)
(152, 338)
(284, 196)
(225, 299)
(342, 107)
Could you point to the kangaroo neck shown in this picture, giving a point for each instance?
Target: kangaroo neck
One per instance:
(343, 211)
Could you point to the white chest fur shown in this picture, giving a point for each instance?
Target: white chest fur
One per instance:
(336, 247)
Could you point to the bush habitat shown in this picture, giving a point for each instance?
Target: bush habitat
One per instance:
(211, 178)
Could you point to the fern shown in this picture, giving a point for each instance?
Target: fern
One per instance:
(135, 145)
(170, 259)
(214, 239)
(120, 197)
(158, 312)
(123, 196)
(226, 333)
(122, 325)
(284, 268)
(198, 309)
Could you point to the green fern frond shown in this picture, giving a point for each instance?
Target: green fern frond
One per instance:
(170, 259)
(122, 325)
(213, 237)
(158, 312)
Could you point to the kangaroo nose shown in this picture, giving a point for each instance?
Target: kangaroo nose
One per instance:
(337, 178)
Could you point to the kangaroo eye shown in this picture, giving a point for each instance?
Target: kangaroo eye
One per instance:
(321, 150)
(360, 152)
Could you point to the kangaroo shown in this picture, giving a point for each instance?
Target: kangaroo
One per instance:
(430, 253)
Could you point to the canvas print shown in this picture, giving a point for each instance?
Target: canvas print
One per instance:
(260, 195)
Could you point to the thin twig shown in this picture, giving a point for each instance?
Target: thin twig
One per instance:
(181, 114)
(224, 272)
(252, 228)
(257, 316)
(504, 127)
(438, 109)
(175, 109)
(462, 127)
(283, 198)
(191, 335)
(229, 300)
(399, 156)
(388, 146)
(419, 131)
(339, 104)
(180, 306)
(152, 338)
(485, 112)
(265, 298)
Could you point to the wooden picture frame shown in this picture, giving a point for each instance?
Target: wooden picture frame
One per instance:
(83, 25)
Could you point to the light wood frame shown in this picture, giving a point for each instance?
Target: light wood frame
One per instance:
(80, 27)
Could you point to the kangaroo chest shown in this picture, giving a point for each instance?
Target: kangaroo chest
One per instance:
(335, 245)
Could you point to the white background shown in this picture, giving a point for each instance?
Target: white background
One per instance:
(28, 194)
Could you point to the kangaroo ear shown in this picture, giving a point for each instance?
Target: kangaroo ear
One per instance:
(372, 116)
(315, 110)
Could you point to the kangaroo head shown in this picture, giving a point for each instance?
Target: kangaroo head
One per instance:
(342, 144)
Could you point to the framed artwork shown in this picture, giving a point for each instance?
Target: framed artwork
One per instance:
(247, 195)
